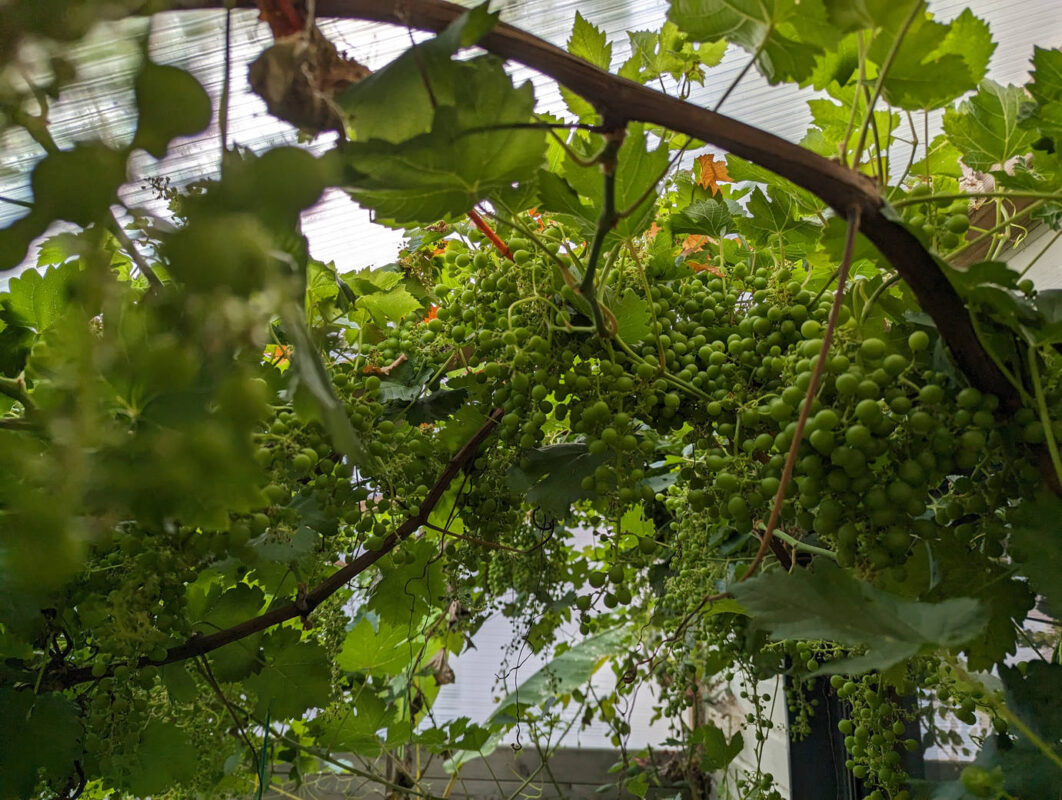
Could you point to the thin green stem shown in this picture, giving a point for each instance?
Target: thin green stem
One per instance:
(1045, 416)
(14, 202)
(944, 196)
(226, 86)
(886, 284)
(997, 228)
(843, 147)
(649, 300)
(1011, 378)
(879, 84)
(745, 70)
(911, 158)
(809, 548)
(1040, 255)
(127, 244)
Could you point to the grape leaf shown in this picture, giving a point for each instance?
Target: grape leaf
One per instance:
(986, 127)
(970, 38)
(718, 750)
(828, 603)
(632, 317)
(170, 103)
(707, 217)
(1035, 694)
(567, 671)
(588, 42)
(384, 650)
(468, 154)
(165, 757)
(404, 594)
(389, 306)
(36, 301)
(551, 476)
(238, 604)
(371, 106)
(97, 172)
(296, 676)
(933, 63)
(1046, 89)
(356, 728)
(774, 217)
(852, 15)
(787, 35)
(1037, 548)
(43, 733)
(638, 170)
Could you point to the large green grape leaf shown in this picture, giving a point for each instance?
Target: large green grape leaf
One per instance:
(826, 602)
(986, 127)
(42, 733)
(1035, 694)
(442, 174)
(398, 102)
(638, 170)
(36, 301)
(567, 671)
(355, 729)
(382, 649)
(775, 217)
(934, 63)
(551, 476)
(668, 52)
(232, 607)
(1046, 89)
(170, 103)
(78, 185)
(851, 15)
(1037, 548)
(296, 676)
(404, 594)
(389, 306)
(787, 35)
(706, 217)
(165, 757)
(588, 42)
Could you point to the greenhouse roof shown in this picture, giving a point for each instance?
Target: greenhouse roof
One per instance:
(100, 104)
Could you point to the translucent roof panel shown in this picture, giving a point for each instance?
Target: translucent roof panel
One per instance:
(100, 104)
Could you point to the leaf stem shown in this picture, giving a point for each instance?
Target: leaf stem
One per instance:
(15, 388)
(127, 244)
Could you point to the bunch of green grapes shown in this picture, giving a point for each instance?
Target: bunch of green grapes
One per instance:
(876, 734)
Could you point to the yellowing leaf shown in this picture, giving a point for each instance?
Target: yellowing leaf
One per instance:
(710, 173)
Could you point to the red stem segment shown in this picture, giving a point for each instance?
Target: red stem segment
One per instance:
(488, 231)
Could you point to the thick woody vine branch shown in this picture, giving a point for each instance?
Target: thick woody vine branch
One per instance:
(306, 602)
(617, 99)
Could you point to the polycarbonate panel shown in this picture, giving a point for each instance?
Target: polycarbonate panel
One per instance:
(100, 106)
